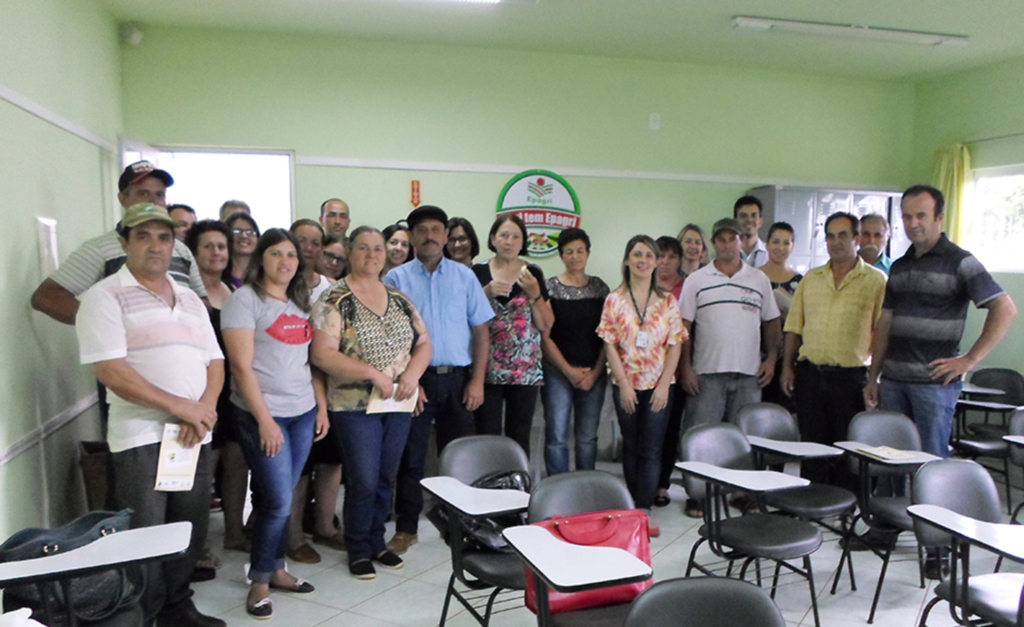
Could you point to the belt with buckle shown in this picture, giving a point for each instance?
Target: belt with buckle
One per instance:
(444, 369)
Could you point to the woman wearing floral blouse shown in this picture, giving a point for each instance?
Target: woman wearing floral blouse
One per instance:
(522, 313)
(643, 333)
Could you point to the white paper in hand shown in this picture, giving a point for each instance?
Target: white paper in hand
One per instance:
(176, 470)
(378, 405)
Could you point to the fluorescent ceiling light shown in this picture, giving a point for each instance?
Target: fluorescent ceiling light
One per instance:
(849, 30)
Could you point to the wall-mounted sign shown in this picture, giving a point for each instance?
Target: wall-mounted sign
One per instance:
(547, 205)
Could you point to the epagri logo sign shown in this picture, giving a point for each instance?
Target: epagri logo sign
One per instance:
(546, 204)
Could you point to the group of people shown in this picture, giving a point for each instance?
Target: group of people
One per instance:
(343, 349)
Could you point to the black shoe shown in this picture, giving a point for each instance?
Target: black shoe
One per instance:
(200, 574)
(389, 560)
(185, 614)
(363, 569)
(263, 610)
(872, 540)
(301, 588)
(661, 501)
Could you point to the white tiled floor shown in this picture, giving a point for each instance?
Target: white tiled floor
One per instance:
(413, 595)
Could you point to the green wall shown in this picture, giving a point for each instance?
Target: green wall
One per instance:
(982, 103)
(62, 54)
(330, 97)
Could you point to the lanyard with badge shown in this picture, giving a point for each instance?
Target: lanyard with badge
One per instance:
(642, 337)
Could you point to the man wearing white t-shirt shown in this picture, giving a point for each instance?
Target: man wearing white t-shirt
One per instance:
(151, 344)
(727, 307)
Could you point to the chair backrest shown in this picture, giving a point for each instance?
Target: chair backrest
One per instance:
(1010, 381)
(579, 492)
(719, 444)
(471, 458)
(961, 485)
(767, 420)
(884, 428)
(704, 601)
(1016, 427)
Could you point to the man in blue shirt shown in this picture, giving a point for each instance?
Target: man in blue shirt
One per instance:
(455, 312)
(873, 238)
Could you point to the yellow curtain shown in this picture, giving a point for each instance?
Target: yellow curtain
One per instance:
(952, 177)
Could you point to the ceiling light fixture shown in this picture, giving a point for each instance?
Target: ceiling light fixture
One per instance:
(853, 31)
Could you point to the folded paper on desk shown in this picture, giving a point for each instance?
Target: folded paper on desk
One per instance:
(378, 405)
(886, 453)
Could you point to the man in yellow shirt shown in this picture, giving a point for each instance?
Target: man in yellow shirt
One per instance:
(828, 339)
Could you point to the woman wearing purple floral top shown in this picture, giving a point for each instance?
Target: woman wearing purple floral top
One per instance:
(522, 313)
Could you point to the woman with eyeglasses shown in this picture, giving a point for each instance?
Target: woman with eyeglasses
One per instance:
(463, 245)
(244, 233)
(334, 260)
(522, 313)
(398, 247)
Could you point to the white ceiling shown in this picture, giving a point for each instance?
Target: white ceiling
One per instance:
(689, 31)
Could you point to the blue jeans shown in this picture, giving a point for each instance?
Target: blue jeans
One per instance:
(643, 433)
(929, 405)
(560, 400)
(273, 480)
(720, 395)
(372, 446)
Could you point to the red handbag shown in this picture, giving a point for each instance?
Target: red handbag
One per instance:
(619, 528)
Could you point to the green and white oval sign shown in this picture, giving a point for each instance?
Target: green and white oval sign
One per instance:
(546, 204)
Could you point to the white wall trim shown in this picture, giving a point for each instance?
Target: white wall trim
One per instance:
(46, 429)
(480, 168)
(31, 106)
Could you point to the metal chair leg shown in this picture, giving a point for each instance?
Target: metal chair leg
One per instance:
(814, 594)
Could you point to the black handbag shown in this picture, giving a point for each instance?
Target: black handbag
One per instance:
(484, 534)
(88, 598)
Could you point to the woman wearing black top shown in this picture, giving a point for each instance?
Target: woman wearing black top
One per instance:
(519, 297)
(574, 360)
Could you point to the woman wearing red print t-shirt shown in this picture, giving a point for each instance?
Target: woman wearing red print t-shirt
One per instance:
(280, 404)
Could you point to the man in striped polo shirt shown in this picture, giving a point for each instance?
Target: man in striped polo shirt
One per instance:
(100, 257)
(916, 347)
(150, 341)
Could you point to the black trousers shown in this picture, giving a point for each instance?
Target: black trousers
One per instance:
(519, 402)
(827, 398)
(451, 419)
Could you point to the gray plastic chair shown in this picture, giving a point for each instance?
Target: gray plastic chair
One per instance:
(1011, 383)
(818, 503)
(751, 537)
(469, 459)
(886, 514)
(704, 601)
(1016, 427)
(580, 492)
(966, 488)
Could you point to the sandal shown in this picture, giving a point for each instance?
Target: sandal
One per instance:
(208, 560)
(694, 508)
(662, 500)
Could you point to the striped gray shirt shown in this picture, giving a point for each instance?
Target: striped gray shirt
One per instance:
(103, 256)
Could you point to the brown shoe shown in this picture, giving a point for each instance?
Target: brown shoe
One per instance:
(304, 554)
(401, 542)
(336, 542)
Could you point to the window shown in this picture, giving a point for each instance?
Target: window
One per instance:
(994, 225)
(203, 180)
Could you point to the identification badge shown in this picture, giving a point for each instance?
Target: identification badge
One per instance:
(642, 338)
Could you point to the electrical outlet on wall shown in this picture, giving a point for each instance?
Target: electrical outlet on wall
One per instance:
(654, 121)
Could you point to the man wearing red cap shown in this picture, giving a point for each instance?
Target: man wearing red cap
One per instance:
(100, 257)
